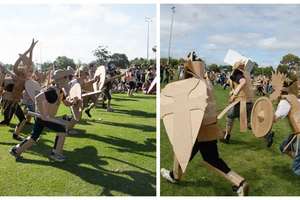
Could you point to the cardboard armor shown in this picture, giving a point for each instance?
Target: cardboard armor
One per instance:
(153, 84)
(246, 94)
(75, 93)
(32, 88)
(183, 104)
(101, 72)
(22, 67)
(294, 114)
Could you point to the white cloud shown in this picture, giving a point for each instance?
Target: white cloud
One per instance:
(74, 31)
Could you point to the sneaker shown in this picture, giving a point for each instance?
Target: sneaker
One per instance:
(243, 190)
(57, 157)
(88, 113)
(13, 152)
(110, 109)
(166, 175)
(269, 138)
(4, 123)
(17, 137)
(225, 139)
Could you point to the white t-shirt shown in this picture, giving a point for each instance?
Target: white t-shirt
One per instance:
(283, 109)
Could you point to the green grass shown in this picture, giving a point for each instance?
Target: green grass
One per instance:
(266, 169)
(115, 154)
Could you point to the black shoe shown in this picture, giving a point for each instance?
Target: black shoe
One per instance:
(88, 113)
(13, 152)
(17, 137)
(226, 139)
(269, 139)
(4, 123)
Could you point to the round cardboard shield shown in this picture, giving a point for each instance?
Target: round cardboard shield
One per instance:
(75, 92)
(262, 117)
(102, 73)
(32, 88)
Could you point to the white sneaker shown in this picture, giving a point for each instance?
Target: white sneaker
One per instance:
(166, 175)
(57, 157)
(243, 189)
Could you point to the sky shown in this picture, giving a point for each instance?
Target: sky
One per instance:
(264, 33)
(75, 30)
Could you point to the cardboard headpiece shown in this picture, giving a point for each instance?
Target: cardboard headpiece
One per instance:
(277, 81)
(101, 72)
(235, 59)
(24, 63)
(194, 65)
(62, 75)
(262, 117)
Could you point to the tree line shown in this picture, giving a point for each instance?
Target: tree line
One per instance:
(287, 64)
(102, 57)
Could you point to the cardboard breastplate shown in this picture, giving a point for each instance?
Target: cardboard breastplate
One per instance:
(210, 115)
(294, 114)
(246, 92)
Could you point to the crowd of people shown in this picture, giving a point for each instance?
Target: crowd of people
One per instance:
(192, 98)
(42, 93)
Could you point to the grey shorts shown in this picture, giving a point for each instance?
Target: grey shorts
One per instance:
(234, 112)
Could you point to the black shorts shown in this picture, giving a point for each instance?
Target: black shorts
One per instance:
(131, 85)
(40, 124)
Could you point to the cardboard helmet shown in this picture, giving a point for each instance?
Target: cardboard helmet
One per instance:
(24, 65)
(62, 77)
(194, 65)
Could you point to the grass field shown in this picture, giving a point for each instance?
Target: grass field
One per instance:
(266, 169)
(114, 154)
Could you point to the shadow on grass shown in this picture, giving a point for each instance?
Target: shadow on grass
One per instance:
(145, 128)
(138, 113)
(128, 181)
(124, 145)
(123, 99)
(144, 97)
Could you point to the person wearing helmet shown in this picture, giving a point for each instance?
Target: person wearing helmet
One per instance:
(14, 86)
(209, 132)
(84, 78)
(47, 104)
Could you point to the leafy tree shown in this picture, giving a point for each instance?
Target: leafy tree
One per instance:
(267, 71)
(120, 60)
(283, 68)
(225, 68)
(62, 62)
(213, 68)
(290, 60)
(46, 65)
(144, 63)
(102, 55)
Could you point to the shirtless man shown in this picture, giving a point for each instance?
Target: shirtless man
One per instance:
(47, 104)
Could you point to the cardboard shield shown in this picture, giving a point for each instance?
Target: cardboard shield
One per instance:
(32, 88)
(183, 104)
(102, 73)
(75, 92)
(262, 117)
(152, 85)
